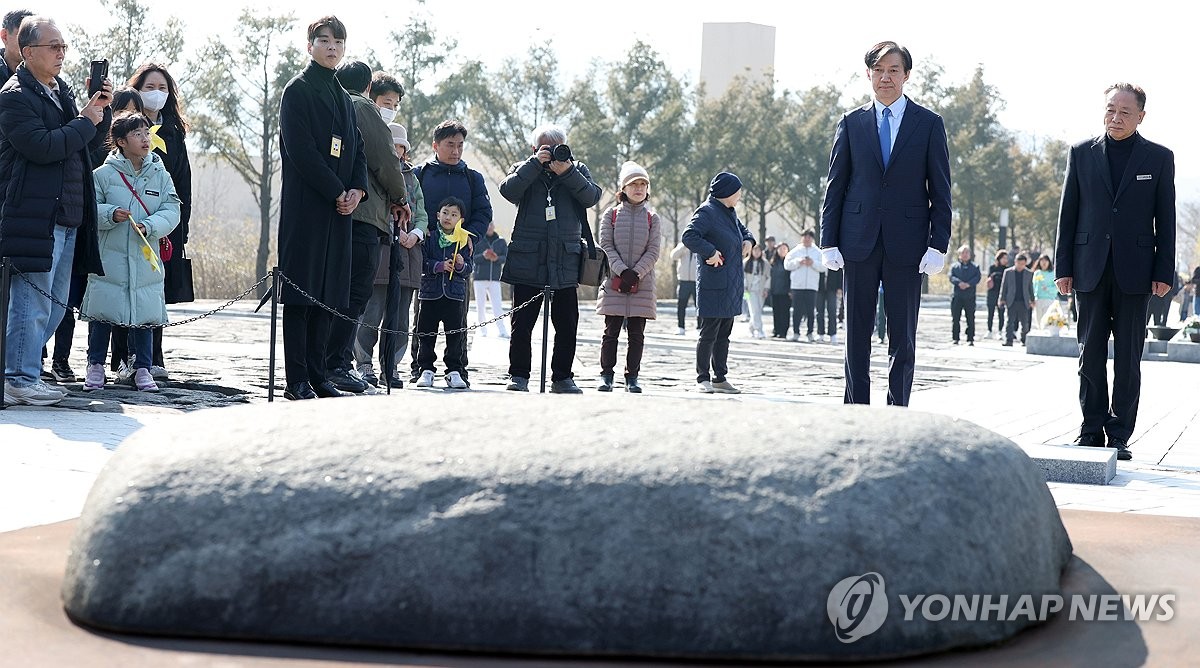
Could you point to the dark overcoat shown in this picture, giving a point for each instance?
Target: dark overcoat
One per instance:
(714, 227)
(314, 239)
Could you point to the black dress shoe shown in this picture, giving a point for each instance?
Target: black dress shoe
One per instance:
(344, 381)
(1090, 440)
(298, 392)
(326, 389)
(1121, 445)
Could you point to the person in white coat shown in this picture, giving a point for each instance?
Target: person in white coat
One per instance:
(804, 263)
(136, 205)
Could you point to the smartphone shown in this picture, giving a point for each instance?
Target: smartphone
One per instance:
(98, 75)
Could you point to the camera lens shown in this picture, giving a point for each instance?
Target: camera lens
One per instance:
(561, 153)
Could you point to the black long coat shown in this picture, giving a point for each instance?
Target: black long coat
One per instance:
(180, 168)
(314, 240)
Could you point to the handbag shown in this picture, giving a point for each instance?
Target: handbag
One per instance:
(180, 276)
(166, 250)
(593, 263)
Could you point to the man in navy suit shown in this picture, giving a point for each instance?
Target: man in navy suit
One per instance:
(886, 218)
(1116, 245)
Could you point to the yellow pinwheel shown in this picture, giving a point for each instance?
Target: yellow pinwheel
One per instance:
(157, 142)
(460, 237)
(147, 249)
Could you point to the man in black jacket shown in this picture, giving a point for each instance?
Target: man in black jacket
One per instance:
(47, 201)
(10, 55)
(964, 276)
(552, 195)
(1116, 247)
(324, 179)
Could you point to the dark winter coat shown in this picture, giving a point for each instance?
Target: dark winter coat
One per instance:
(314, 239)
(715, 227)
(384, 169)
(180, 168)
(546, 252)
(485, 269)
(964, 273)
(439, 181)
(781, 278)
(438, 284)
(36, 140)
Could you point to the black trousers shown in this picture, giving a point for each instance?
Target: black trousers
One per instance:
(780, 306)
(993, 302)
(804, 304)
(636, 344)
(364, 262)
(1019, 314)
(305, 343)
(712, 350)
(449, 314)
(461, 353)
(120, 347)
(1104, 311)
(962, 302)
(564, 315)
(687, 290)
(902, 287)
(827, 312)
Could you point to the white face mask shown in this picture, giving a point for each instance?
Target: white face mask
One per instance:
(387, 114)
(154, 100)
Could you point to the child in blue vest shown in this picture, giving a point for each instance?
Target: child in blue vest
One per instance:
(443, 290)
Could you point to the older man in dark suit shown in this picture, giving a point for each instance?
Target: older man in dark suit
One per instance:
(886, 217)
(1116, 246)
(324, 179)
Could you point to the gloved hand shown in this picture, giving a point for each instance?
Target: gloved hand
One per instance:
(933, 261)
(442, 267)
(832, 258)
(629, 278)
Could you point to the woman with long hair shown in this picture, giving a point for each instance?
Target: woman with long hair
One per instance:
(781, 292)
(1045, 292)
(160, 100)
(758, 275)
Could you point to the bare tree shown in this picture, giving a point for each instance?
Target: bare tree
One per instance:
(237, 92)
(132, 37)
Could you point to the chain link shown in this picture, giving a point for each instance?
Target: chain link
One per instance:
(84, 316)
(382, 330)
(252, 288)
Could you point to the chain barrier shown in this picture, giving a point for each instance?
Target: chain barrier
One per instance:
(382, 330)
(80, 314)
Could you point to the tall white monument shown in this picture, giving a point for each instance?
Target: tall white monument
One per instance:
(732, 49)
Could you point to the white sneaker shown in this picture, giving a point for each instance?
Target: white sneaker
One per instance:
(704, 386)
(125, 373)
(725, 387)
(454, 381)
(37, 394)
(426, 379)
(793, 336)
(681, 332)
(833, 339)
(503, 334)
(158, 373)
(810, 338)
(95, 377)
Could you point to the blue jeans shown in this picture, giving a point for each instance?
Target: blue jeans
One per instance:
(142, 340)
(32, 318)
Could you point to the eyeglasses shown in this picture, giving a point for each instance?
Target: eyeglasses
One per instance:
(61, 48)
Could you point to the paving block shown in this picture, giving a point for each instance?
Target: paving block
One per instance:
(1054, 346)
(1073, 463)
(1183, 351)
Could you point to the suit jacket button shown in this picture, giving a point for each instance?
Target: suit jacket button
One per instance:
(1114, 209)
(1106, 237)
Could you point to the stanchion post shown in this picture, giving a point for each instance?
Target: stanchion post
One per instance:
(5, 282)
(546, 293)
(274, 326)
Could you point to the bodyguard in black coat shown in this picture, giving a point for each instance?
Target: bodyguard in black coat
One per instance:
(1116, 245)
(324, 179)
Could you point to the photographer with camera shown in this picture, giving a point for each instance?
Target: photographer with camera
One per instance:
(553, 193)
(45, 156)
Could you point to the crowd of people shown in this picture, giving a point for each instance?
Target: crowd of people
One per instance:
(97, 204)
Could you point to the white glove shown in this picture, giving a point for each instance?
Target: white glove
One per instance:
(832, 258)
(933, 262)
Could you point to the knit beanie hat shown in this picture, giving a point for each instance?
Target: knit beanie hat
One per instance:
(630, 172)
(399, 135)
(724, 184)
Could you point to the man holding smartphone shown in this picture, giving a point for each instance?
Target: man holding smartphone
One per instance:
(44, 137)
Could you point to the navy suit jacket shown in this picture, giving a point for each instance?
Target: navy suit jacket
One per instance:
(1134, 218)
(908, 203)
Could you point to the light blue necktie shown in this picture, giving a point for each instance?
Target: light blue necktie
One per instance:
(885, 136)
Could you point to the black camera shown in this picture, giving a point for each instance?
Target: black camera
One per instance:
(561, 153)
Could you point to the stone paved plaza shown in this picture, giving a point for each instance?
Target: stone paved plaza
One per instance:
(50, 456)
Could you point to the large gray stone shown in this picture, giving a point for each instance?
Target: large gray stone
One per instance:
(582, 525)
